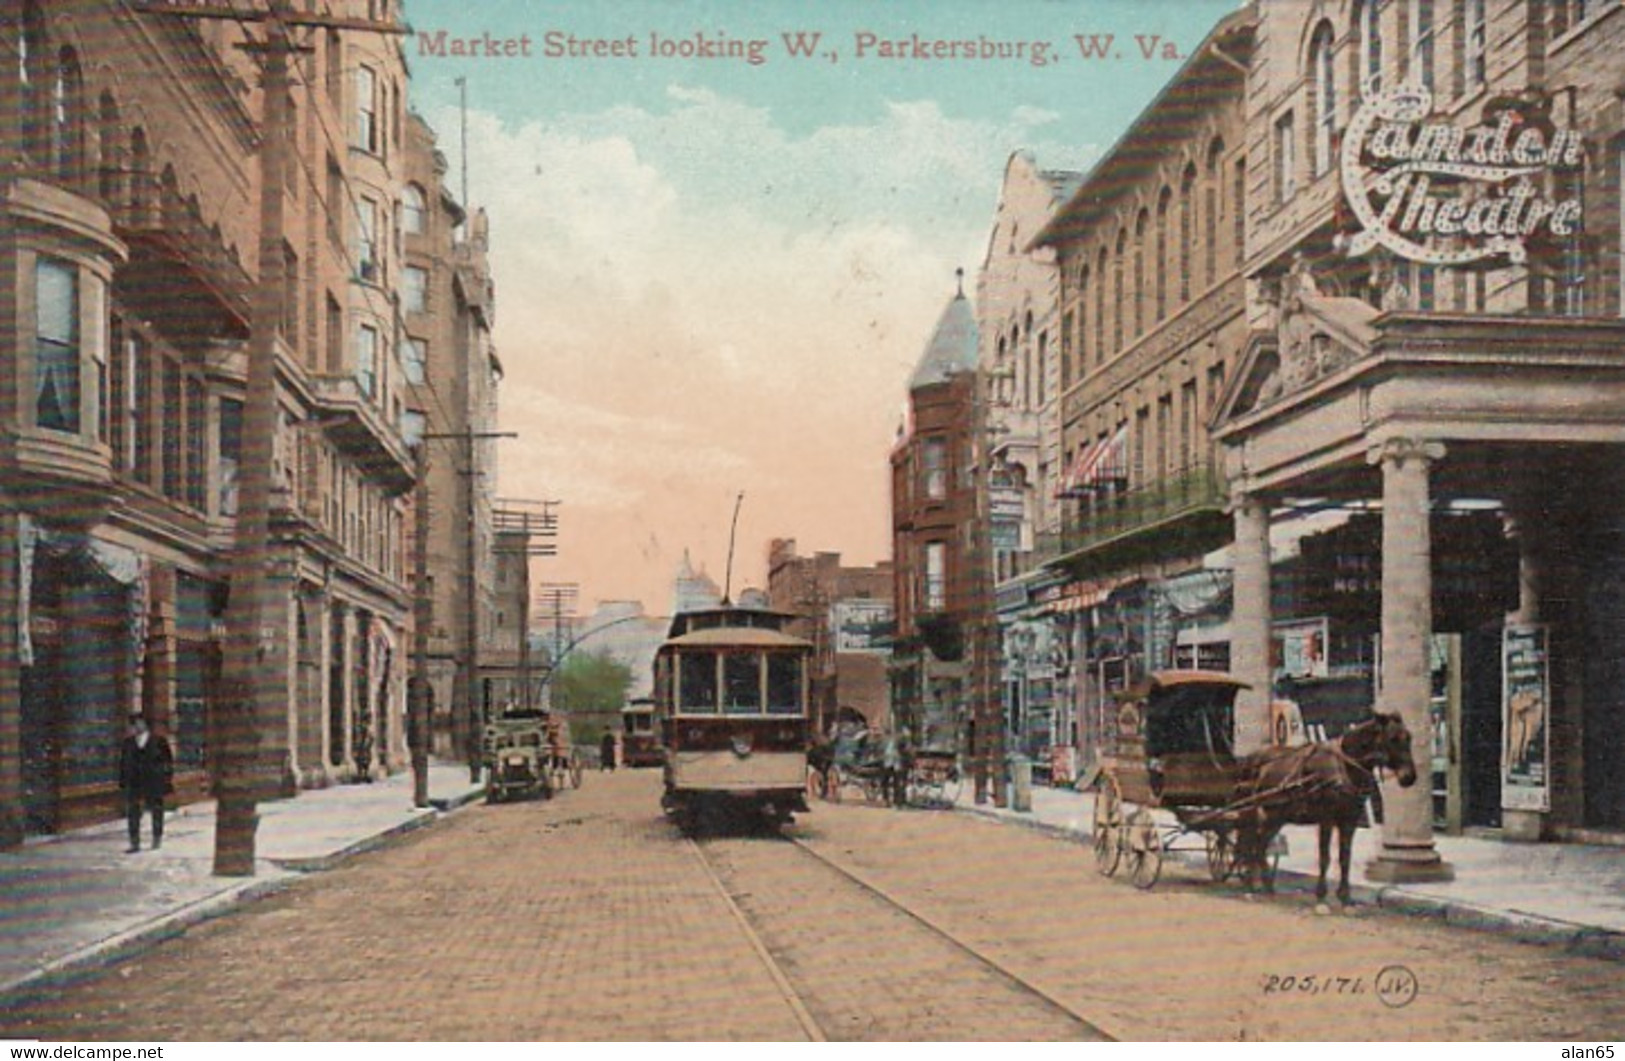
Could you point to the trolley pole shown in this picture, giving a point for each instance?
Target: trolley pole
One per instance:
(422, 619)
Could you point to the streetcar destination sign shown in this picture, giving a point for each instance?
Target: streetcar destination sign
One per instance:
(1433, 190)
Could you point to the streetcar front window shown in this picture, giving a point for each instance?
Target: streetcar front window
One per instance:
(742, 678)
(697, 675)
(783, 684)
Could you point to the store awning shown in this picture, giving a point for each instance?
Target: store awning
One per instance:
(1101, 464)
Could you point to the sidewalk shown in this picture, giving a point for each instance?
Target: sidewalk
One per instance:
(77, 898)
(1566, 895)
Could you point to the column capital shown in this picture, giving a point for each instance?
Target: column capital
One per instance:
(1401, 450)
(1246, 500)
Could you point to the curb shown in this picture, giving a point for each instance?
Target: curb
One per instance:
(1582, 940)
(132, 942)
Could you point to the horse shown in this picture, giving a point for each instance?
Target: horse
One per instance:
(1324, 784)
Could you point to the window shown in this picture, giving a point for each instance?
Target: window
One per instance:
(366, 359)
(30, 54)
(412, 210)
(1161, 254)
(1284, 148)
(56, 345)
(1423, 39)
(697, 679)
(934, 468)
(67, 117)
(1117, 290)
(742, 683)
(95, 350)
(1323, 104)
(1187, 210)
(1043, 366)
(1068, 347)
(936, 576)
(412, 426)
(783, 684)
(1474, 33)
(366, 252)
(416, 294)
(1141, 223)
(417, 360)
(230, 453)
(1369, 29)
(171, 456)
(366, 109)
(197, 457)
(141, 411)
(1100, 309)
(1210, 213)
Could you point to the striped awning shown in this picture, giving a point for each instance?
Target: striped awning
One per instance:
(1101, 464)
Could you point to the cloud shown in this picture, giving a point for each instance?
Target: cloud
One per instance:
(695, 302)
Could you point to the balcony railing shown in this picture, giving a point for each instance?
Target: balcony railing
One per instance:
(1192, 499)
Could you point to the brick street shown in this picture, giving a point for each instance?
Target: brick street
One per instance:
(589, 918)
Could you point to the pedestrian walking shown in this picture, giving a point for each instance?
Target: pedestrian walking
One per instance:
(891, 771)
(606, 752)
(146, 775)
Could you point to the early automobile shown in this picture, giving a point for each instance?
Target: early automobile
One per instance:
(516, 756)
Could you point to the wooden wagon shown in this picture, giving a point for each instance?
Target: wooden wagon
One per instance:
(1170, 746)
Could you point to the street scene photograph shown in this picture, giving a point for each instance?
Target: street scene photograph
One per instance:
(710, 521)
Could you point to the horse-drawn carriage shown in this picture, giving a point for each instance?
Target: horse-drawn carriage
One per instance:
(1171, 747)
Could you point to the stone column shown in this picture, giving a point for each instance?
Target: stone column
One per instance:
(1250, 620)
(1407, 852)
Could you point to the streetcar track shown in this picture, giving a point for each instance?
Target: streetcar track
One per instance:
(1024, 985)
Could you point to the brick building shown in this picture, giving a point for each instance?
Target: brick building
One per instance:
(846, 613)
(936, 599)
(129, 246)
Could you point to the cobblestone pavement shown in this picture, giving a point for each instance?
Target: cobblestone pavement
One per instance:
(587, 917)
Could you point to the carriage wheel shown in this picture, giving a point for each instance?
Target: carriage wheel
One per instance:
(1108, 826)
(948, 790)
(1144, 843)
(575, 773)
(1221, 855)
(815, 783)
(873, 790)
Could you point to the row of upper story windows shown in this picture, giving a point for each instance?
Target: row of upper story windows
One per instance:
(1129, 282)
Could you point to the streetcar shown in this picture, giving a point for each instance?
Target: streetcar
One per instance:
(731, 691)
(640, 735)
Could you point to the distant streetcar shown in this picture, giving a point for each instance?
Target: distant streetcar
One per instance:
(731, 689)
(640, 734)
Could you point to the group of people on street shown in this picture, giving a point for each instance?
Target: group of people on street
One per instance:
(890, 755)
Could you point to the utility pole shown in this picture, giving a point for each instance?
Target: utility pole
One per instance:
(465, 682)
(525, 528)
(987, 706)
(249, 702)
(422, 620)
(551, 599)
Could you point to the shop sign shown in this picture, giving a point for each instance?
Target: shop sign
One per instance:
(1005, 503)
(1525, 708)
(1298, 649)
(860, 625)
(1432, 189)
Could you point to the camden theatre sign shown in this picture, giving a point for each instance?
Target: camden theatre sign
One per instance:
(1433, 190)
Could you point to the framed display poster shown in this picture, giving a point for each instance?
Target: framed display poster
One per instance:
(1524, 710)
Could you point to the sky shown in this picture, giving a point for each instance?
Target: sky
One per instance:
(723, 231)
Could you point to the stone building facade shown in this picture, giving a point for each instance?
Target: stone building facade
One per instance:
(1018, 298)
(1434, 357)
(129, 244)
(1148, 253)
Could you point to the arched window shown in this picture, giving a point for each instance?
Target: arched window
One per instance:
(1323, 99)
(1368, 50)
(1187, 218)
(1083, 314)
(1210, 213)
(412, 209)
(1162, 252)
(1117, 290)
(1424, 39)
(1142, 222)
(110, 160)
(140, 178)
(1100, 308)
(67, 117)
(31, 60)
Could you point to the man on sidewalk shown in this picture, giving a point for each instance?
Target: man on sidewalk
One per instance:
(146, 774)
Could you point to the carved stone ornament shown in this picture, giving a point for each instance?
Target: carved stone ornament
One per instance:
(1307, 351)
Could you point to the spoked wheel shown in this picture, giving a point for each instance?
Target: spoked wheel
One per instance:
(1221, 855)
(1108, 826)
(1143, 845)
(948, 793)
(575, 773)
(815, 783)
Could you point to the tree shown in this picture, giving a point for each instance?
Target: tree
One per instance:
(591, 688)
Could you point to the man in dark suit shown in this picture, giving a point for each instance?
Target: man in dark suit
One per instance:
(146, 772)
